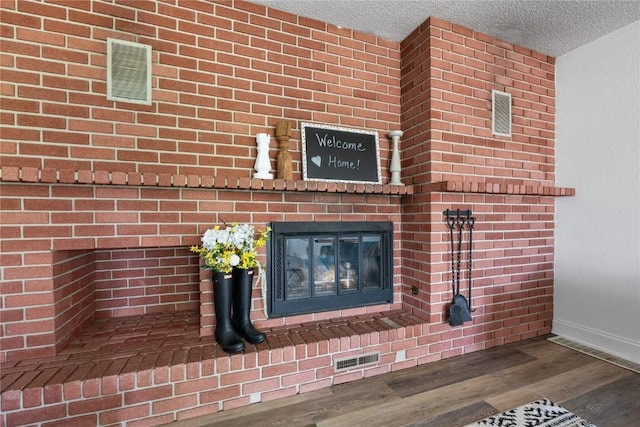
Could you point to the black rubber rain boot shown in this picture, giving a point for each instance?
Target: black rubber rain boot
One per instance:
(225, 334)
(242, 285)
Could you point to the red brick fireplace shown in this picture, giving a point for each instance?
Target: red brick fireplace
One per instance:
(101, 200)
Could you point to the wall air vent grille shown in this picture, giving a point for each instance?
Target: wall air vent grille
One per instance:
(501, 113)
(352, 362)
(128, 72)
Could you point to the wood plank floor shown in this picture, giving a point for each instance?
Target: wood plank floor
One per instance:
(458, 391)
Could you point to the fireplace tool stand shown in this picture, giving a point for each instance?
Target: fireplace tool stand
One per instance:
(460, 309)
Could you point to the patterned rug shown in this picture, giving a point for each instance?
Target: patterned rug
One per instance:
(541, 413)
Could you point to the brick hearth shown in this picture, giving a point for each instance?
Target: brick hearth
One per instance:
(156, 368)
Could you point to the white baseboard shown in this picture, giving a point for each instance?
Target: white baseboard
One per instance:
(609, 343)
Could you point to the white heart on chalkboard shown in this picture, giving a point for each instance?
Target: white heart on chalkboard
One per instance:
(317, 160)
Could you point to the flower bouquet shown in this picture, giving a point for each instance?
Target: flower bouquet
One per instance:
(233, 246)
(232, 253)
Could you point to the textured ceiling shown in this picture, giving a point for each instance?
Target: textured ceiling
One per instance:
(552, 27)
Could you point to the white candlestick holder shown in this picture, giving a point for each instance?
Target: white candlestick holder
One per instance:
(263, 166)
(394, 168)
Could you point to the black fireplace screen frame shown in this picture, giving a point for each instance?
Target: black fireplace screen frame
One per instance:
(357, 258)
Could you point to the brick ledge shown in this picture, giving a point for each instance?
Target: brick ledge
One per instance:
(126, 345)
(68, 176)
(496, 188)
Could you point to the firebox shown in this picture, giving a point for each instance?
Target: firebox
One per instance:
(320, 266)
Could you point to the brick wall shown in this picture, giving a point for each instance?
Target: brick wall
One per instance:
(145, 280)
(89, 182)
(73, 301)
(448, 73)
(222, 72)
(83, 173)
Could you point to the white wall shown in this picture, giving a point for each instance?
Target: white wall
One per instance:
(597, 237)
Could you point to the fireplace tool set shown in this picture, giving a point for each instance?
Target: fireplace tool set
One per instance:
(457, 220)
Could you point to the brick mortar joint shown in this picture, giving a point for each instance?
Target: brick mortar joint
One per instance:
(147, 179)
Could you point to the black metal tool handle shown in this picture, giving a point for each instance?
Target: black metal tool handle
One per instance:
(451, 221)
(460, 222)
(471, 222)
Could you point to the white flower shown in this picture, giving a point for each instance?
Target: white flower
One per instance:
(242, 235)
(234, 260)
(213, 237)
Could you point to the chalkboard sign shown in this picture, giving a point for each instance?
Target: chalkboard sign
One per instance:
(331, 153)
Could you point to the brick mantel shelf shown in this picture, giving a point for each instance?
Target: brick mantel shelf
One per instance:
(67, 176)
(496, 188)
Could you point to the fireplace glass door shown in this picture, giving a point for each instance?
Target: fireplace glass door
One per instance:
(325, 266)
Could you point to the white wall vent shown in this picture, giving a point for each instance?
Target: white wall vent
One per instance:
(352, 362)
(128, 72)
(501, 113)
